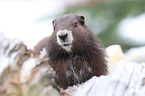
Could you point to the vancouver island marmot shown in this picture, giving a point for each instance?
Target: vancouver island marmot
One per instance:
(73, 50)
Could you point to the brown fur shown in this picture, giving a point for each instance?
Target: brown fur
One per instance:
(87, 57)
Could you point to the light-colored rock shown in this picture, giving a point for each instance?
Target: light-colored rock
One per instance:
(136, 54)
(125, 80)
(114, 56)
(22, 73)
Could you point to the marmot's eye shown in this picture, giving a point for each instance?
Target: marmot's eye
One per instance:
(54, 28)
(75, 24)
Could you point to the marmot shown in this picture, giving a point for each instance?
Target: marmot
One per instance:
(74, 52)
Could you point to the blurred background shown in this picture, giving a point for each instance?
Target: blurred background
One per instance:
(113, 21)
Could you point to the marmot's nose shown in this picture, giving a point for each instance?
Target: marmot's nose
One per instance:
(63, 37)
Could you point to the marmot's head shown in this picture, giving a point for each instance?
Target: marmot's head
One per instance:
(68, 29)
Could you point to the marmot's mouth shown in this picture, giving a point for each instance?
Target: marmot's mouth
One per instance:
(66, 45)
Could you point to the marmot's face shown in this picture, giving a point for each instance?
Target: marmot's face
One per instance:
(65, 28)
(65, 39)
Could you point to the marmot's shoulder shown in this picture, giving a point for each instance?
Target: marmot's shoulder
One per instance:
(41, 44)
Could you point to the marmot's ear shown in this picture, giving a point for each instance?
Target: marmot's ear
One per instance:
(53, 21)
(82, 19)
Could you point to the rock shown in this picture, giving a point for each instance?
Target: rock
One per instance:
(23, 73)
(114, 56)
(136, 54)
(126, 80)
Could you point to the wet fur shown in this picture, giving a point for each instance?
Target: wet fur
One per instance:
(86, 59)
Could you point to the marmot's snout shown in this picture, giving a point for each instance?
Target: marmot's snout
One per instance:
(65, 39)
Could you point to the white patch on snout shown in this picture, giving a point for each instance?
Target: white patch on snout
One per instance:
(69, 39)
